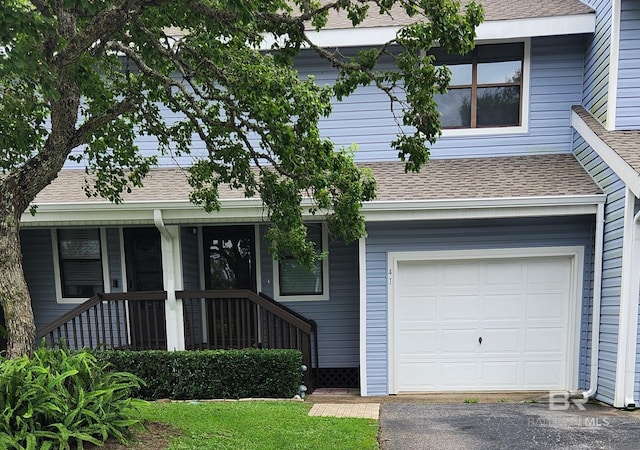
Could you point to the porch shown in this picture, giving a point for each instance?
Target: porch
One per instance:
(188, 320)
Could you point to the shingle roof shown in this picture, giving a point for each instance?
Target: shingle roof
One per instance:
(624, 143)
(440, 179)
(500, 177)
(493, 10)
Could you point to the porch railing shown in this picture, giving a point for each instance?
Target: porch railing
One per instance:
(212, 320)
(134, 321)
(244, 319)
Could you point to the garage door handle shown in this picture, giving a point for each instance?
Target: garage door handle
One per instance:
(480, 339)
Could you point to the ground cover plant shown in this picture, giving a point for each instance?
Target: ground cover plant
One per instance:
(58, 399)
(248, 425)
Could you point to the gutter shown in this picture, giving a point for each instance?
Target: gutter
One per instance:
(597, 297)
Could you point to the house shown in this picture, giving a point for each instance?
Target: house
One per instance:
(510, 263)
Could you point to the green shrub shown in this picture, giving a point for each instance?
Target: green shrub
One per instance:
(58, 398)
(211, 373)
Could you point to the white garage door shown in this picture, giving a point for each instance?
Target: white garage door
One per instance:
(482, 324)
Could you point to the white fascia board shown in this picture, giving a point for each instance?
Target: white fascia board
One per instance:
(538, 26)
(103, 213)
(626, 173)
(490, 30)
(489, 208)
(251, 211)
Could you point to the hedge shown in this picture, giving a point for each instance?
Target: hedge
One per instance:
(209, 374)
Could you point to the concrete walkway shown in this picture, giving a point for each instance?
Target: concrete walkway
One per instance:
(357, 410)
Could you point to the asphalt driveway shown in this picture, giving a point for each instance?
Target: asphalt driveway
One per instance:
(407, 426)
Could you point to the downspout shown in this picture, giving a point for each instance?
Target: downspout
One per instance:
(634, 297)
(628, 312)
(597, 296)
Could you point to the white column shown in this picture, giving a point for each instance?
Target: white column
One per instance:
(172, 276)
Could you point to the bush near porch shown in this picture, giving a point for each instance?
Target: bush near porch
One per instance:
(209, 374)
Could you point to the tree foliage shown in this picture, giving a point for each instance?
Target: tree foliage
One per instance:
(84, 79)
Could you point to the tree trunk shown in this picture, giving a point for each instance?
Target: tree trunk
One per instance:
(14, 293)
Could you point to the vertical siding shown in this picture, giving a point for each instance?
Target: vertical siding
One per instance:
(596, 83)
(612, 265)
(338, 318)
(628, 103)
(454, 235)
(37, 260)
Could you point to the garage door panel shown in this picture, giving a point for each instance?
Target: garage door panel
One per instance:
(545, 305)
(454, 274)
(500, 341)
(504, 274)
(458, 374)
(460, 341)
(501, 374)
(547, 273)
(519, 306)
(459, 307)
(544, 374)
(418, 342)
(545, 340)
(501, 306)
(419, 376)
(418, 309)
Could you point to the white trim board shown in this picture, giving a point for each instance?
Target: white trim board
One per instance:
(496, 29)
(139, 213)
(626, 173)
(576, 253)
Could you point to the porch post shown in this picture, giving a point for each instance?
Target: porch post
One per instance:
(172, 276)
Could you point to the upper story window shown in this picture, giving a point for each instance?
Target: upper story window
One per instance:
(487, 87)
(295, 282)
(79, 262)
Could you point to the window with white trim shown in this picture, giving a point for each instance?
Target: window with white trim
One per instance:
(80, 262)
(294, 282)
(486, 88)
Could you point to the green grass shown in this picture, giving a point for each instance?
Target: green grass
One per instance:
(260, 425)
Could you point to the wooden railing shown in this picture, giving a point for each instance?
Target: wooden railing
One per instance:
(244, 319)
(134, 320)
(212, 320)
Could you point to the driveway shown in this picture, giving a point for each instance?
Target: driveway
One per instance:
(406, 426)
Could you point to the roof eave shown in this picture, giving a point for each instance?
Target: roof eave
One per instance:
(487, 31)
(252, 210)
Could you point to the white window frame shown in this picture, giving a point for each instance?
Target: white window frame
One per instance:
(58, 272)
(325, 277)
(525, 100)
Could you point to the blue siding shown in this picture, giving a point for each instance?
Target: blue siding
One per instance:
(37, 260)
(628, 102)
(556, 84)
(364, 119)
(450, 235)
(596, 83)
(338, 318)
(612, 265)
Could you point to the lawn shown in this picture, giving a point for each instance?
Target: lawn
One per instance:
(255, 425)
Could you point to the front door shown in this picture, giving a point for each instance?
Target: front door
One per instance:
(143, 258)
(230, 263)
(230, 257)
